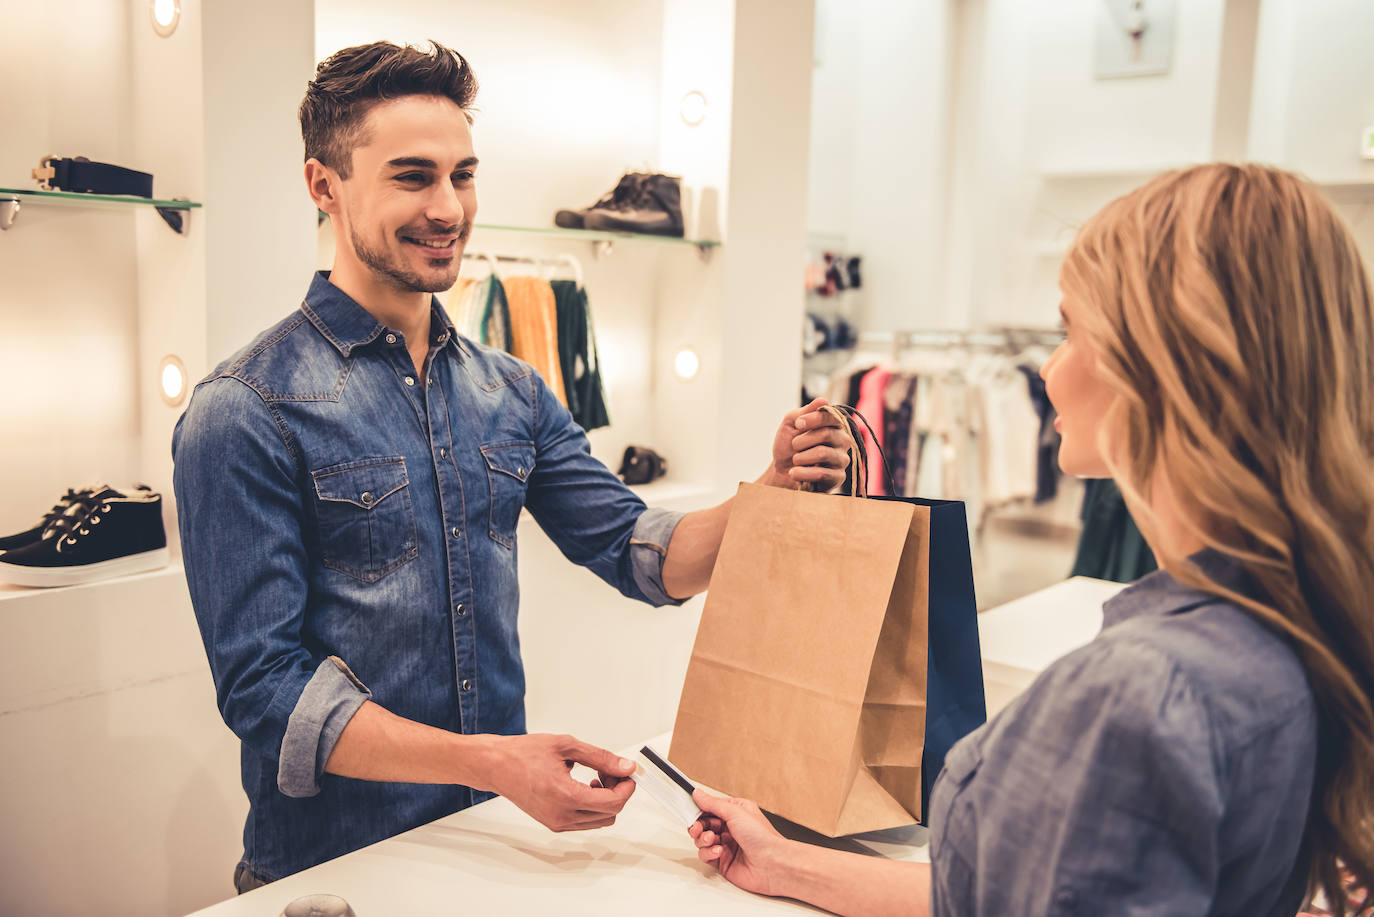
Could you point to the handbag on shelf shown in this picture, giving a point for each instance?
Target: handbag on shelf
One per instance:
(837, 660)
(642, 465)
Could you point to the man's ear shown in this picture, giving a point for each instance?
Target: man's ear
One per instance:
(323, 184)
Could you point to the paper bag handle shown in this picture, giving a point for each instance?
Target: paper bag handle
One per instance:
(857, 479)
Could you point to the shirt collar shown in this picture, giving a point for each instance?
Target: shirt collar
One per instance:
(1160, 594)
(347, 325)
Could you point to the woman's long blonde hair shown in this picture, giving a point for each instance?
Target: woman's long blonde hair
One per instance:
(1230, 313)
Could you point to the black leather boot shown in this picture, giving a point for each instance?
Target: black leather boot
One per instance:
(655, 210)
(619, 198)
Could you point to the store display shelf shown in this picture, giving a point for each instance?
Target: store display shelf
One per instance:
(12, 598)
(587, 235)
(661, 492)
(75, 199)
(174, 213)
(601, 239)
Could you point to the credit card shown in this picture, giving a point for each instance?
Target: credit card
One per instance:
(667, 785)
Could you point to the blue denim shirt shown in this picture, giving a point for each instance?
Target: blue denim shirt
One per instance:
(349, 532)
(1165, 768)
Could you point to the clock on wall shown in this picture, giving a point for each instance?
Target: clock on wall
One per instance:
(1134, 37)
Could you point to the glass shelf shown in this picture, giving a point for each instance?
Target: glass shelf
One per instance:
(590, 235)
(80, 199)
(585, 235)
(12, 200)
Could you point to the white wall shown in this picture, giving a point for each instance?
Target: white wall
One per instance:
(879, 174)
(568, 96)
(69, 351)
(259, 220)
(1313, 95)
(1075, 122)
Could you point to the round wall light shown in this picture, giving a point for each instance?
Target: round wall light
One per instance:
(165, 15)
(692, 108)
(686, 364)
(171, 380)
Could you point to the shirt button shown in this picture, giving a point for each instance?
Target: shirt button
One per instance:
(391, 339)
(461, 609)
(455, 532)
(366, 498)
(443, 453)
(467, 684)
(410, 380)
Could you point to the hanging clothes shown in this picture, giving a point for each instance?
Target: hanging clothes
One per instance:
(899, 400)
(870, 405)
(1010, 437)
(495, 313)
(1110, 546)
(955, 422)
(534, 328)
(463, 309)
(578, 356)
(1047, 447)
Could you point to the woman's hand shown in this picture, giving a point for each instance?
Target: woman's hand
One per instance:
(736, 837)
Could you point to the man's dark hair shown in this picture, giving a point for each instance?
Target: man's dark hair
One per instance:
(350, 82)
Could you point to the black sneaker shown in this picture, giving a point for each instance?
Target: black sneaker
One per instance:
(111, 533)
(68, 502)
(655, 210)
(70, 507)
(621, 197)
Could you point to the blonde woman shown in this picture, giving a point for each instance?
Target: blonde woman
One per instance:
(1212, 751)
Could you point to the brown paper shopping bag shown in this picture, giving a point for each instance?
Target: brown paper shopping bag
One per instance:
(806, 690)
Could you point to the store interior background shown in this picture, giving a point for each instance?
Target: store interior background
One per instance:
(953, 144)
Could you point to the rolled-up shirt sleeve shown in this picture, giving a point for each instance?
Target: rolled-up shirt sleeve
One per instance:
(591, 515)
(329, 700)
(648, 549)
(243, 547)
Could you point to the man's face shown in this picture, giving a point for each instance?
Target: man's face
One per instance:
(412, 195)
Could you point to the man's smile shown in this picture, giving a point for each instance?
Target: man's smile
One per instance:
(433, 245)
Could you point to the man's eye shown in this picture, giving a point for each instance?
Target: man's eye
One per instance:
(463, 178)
(411, 177)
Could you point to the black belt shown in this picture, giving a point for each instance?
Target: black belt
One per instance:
(80, 174)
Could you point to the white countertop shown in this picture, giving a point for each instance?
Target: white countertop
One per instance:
(1020, 639)
(494, 859)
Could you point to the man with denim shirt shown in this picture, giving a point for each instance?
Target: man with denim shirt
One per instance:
(349, 486)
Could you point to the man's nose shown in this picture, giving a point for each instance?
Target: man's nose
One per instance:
(445, 206)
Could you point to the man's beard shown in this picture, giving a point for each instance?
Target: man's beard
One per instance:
(406, 280)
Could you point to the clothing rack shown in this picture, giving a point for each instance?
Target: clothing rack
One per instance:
(996, 337)
(561, 260)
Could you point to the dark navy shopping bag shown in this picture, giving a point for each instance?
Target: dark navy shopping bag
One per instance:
(955, 703)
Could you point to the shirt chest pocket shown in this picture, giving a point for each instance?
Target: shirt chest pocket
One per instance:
(509, 466)
(366, 520)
